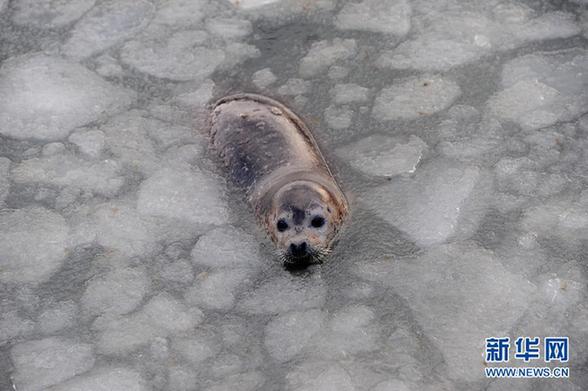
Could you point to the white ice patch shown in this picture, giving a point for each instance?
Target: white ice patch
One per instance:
(229, 28)
(467, 137)
(319, 376)
(542, 89)
(283, 294)
(251, 4)
(162, 316)
(108, 66)
(249, 381)
(197, 348)
(323, 54)
(43, 363)
(67, 170)
(288, 334)
(338, 117)
(227, 247)
(179, 56)
(460, 294)
(106, 25)
(563, 218)
(415, 97)
(4, 182)
(90, 142)
(350, 331)
(388, 16)
(458, 33)
(263, 78)
(216, 290)
(117, 293)
(349, 93)
(443, 201)
(391, 385)
(12, 326)
(384, 156)
(32, 244)
(57, 317)
(49, 13)
(295, 87)
(105, 379)
(187, 194)
(179, 13)
(46, 97)
(136, 139)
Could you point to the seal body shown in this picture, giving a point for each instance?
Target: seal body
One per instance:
(271, 154)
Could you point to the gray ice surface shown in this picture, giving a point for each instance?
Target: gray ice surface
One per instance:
(458, 129)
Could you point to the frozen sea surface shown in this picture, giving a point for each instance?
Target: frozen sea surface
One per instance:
(459, 130)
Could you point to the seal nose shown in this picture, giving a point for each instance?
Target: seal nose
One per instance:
(298, 249)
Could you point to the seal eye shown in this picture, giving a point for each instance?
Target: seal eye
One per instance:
(282, 225)
(317, 221)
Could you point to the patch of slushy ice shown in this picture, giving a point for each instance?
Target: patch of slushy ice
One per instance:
(338, 117)
(175, 48)
(90, 142)
(252, 4)
(67, 170)
(32, 244)
(217, 289)
(263, 78)
(46, 362)
(457, 33)
(186, 194)
(118, 292)
(295, 87)
(119, 226)
(564, 218)
(319, 376)
(111, 379)
(283, 294)
(197, 348)
(162, 316)
(229, 28)
(415, 97)
(460, 294)
(288, 334)
(323, 54)
(12, 326)
(42, 97)
(542, 89)
(388, 16)
(384, 156)
(349, 93)
(227, 247)
(4, 182)
(180, 56)
(444, 200)
(106, 25)
(281, 11)
(348, 331)
(50, 13)
(467, 136)
(249, 381)
(57, 317)
(136, 140)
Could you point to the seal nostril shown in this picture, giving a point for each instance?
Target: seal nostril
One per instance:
(298, 250)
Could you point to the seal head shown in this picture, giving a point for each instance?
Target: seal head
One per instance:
(302, 223)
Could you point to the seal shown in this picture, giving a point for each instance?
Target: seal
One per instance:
(270, 153)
